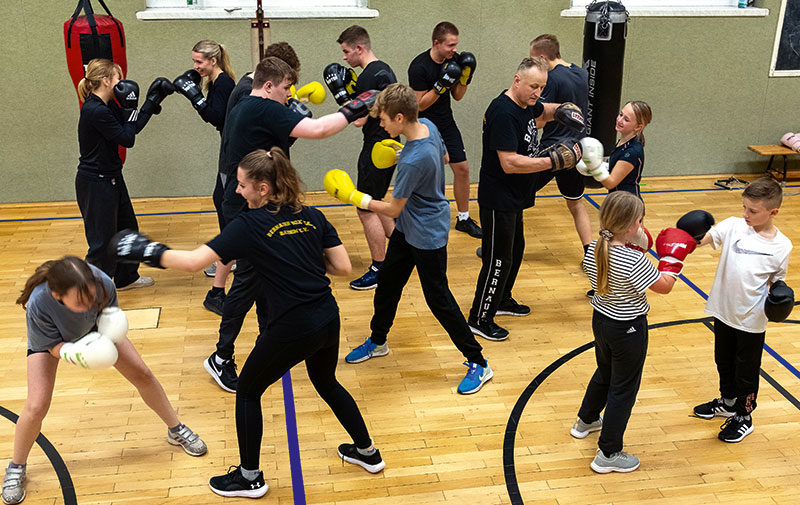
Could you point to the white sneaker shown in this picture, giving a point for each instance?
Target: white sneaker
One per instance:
(141, 282)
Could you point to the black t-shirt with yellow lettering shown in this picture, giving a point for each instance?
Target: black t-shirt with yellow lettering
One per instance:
(285, 249)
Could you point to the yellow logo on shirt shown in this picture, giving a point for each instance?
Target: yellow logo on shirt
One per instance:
(298, 226)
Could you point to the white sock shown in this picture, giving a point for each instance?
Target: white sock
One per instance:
(218, 360)
(462, 216)
(728, 402)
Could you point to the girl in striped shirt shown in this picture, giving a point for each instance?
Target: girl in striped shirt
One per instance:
(620, 274)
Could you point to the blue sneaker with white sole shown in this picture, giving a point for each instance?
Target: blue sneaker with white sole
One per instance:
(476, 377)
(366, 351)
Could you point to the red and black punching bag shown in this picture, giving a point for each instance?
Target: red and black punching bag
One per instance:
(92, 36)
(604, 36)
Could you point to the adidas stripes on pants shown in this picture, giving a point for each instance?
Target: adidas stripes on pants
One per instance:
(503, 244)
(738, 357)
(273, 356)
(620, 348)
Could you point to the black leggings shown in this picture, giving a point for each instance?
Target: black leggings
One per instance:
(273, 356)
(738, 357)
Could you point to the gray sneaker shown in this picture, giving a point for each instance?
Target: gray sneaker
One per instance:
(582, 430)
(211, 270)
(189, 440)
(618, 462)
(13, 488)
(141, 282)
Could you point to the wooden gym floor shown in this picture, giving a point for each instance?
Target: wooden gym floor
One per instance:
(509, 443)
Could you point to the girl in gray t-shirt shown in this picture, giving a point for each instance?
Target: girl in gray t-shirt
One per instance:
(62, 300)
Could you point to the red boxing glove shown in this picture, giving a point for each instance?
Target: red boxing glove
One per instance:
(642, 242)
(672, 247)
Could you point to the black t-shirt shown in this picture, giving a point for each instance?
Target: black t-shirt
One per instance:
(631, 151)
(256, 123)
(564, 84)
(377, 75)
(423, 73)
(285, 249)
(217, 101)
(507, 127)
(101, 130)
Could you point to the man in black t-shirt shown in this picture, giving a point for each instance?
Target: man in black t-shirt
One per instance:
(261, 120)
(508, 181)
(435, 75)
(565, 83)
(376, 74)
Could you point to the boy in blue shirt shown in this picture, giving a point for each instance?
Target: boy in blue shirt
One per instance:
(421, 232)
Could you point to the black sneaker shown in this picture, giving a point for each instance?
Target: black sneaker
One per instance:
(590, 293)
(224, 374)
(735, 428)
(214, 302)
(234, 483)
(488, 330)
(510, 307)
(715, 407)
(372, 463)
(470, 227)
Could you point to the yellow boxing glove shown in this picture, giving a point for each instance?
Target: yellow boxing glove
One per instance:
(339, 185)
(293, 91)
(360, 200)
(385, 152)
(312, 92)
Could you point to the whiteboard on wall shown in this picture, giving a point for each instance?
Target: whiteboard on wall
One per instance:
(786, 52)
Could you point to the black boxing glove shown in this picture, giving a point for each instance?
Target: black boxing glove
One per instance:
(779, 302)
(299, 107)
(468, 63)
(696, 223)
(187, 84)
(156, 93)
(130, 246)
(341, 81)
(359, 106)
(451, 72)
(570, 115)
(127, 95)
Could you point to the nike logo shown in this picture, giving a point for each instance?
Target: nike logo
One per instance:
(739, 250)
(217, 371)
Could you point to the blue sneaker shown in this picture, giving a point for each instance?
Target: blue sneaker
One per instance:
(476, 377)
(366, 351)
(367, 281)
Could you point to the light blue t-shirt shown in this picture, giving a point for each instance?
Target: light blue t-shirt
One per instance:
(50, 322)
(425, 219)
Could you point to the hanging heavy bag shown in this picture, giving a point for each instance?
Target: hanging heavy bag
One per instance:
(91, 36)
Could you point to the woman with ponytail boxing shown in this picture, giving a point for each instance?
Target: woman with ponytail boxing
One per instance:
(291, 247)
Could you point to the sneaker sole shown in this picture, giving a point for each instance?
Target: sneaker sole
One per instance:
(133, 285)
(583, 434)
(476, 331)
(509, 313)
(484, 381)
(609, 469)
(370, 468)
(734, 440)
(176, 443)
(245, 493)
(364, 288)
(367, 357)
(213, 374)
(715, 414)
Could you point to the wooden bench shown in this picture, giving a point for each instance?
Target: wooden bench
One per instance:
(773, 150)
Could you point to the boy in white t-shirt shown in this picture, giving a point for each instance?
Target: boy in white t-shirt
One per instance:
(754, 255)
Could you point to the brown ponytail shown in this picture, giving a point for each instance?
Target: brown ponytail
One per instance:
(643, 113)
(62, 275)
(273, 167)
(617, 214)
(96, 70)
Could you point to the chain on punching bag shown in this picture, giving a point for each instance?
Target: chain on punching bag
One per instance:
(604, 36)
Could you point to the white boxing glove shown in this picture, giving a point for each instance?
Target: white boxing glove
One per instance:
(92, 351)
(593, 152)
(601, 172)
(113, 323)
(582, 168)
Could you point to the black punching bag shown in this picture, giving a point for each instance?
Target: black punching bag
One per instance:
(604, 36)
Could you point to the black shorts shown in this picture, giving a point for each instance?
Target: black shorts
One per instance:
(232, 202)
(453, 142)
(372, 180)
(570, 182)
